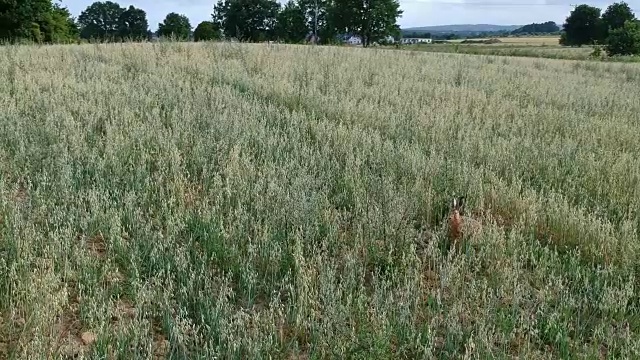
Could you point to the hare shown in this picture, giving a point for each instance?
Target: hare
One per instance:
(460, 225)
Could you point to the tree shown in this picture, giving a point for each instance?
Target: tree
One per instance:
(317, 19)
(206, 30)
(24, 19)
(220, 16)
(247, 20)
(133, 24)
(624, 40)
(60, 26)
(176, 25)
(582, 26)
(101, 20)
(615, 17)
(369, 19)
(563, 39)
(36, 20)
(291, 23)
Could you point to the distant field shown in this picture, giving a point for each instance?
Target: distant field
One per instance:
(531, 41)
(505, 49)
(236, 201)
(551, 52)
(542, 47)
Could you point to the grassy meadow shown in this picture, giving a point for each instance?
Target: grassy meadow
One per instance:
(192, 201)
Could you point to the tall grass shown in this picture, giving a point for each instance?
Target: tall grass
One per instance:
(250, 201)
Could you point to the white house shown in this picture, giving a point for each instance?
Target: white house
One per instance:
(354, 40)
(416, 41)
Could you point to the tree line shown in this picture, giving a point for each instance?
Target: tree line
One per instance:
(244, 20)
(36, 20)
(548, 27)
(617, 28)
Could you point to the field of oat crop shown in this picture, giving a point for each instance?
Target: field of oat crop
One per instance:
(180, 201)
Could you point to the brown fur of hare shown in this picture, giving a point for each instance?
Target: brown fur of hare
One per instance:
(461, 226)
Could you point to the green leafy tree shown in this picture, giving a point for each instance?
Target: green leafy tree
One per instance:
(247, 20)
(316, 17)
(369, 19)
(563, 39)
(101, 20)
(133, 24)
(615, 17)
(175, 25)
(582, 26)
(220, 16)
(624, 40)
(291, 23)
(206, 30)
(25, 19)
(59, 26)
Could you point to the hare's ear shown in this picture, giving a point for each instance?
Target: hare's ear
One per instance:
(461, 202)
(454, 203)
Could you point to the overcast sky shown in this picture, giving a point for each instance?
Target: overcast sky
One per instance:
(416, 12)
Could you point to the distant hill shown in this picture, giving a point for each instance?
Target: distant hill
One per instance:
(463, 28)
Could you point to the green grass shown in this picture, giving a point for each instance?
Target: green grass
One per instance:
(179, 201)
